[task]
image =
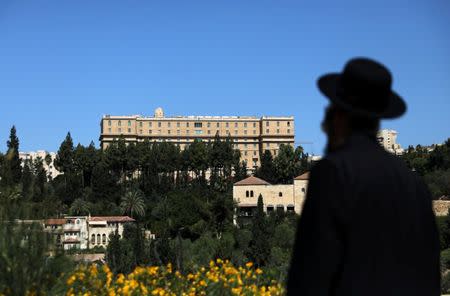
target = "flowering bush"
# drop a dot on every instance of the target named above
(219, 278)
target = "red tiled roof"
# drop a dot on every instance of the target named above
(304, 176)
(112, 218)
(252, 180)
(55, 221)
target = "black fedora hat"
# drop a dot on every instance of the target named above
(363, 89)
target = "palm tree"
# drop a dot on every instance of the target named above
(133, 203)
(79, 207)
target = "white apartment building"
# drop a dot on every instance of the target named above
(285, 197)
(52, 172)
(85, 232)
(388, 139)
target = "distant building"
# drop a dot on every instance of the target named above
(84, 232)
(52, 172)
(276, 197)
(251, 135)
(388, 139)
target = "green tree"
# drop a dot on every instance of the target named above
(40, 180)
(133, 204)
(64, 161)
(13, 156)
(79, 207)
(267, 169)
(27, 180)
(259, 249)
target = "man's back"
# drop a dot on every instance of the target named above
(377, 230)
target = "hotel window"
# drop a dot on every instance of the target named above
(178, 124)
(150, 131)
(109, 122)
(267, 130)
(119, 123)
(129, 123)
(278, 123)
(187, 132)
(120, 130)
(208, 124)
(288, 123)
(98, 239)
(109, 130)
(187, 124)
(254, 124)
(289, 131)
(140, 124)
(168, 124)
(267, 123)
(159, 132)
(245, 124)
(228, 132)
(235, 132)
(245, 146)
(140, 131)
(104, 239)
(235, 124)
(129, 130)
(226, 124)
(168, 132)
(150, 124)
(278, 130)
(217, 125)
(198, 132)
(197, 124)
(245, 132)
(93, 239)
(159, 124)
(178, 132)
(209, 132)
(254, 132)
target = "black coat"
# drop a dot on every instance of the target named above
(367, 227)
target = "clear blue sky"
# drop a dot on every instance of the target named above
(63, 64)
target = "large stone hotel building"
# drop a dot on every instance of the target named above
(251, 135)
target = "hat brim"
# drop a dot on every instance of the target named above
(328, 85)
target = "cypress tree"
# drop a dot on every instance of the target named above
(259, 250)
(13, 163)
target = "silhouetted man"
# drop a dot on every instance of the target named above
(367, 226)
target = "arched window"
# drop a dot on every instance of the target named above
(280, 194)
(104, 239)
(303, 190)
(98, 239)
(93, 239)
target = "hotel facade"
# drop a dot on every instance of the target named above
(251, 135)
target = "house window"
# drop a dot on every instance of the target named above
(104, 239)
(98, 239)
(290, 209)
(247, 193)
(251, 193)
(93, 239)
(280, 194)
(269, 209)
